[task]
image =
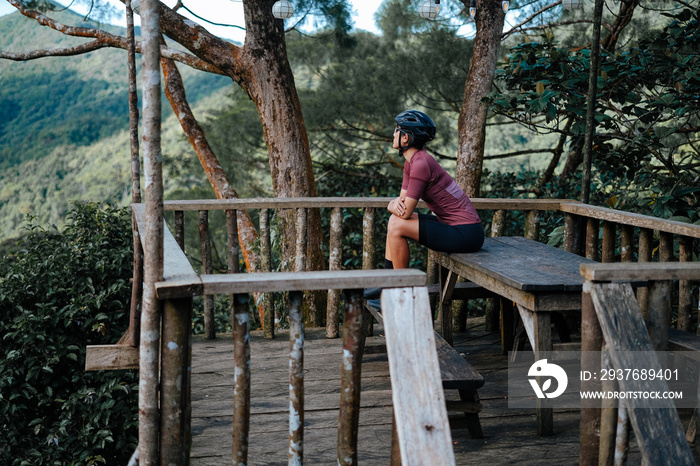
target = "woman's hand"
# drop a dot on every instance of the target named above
(397, 207)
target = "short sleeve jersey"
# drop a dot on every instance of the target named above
(424, 178)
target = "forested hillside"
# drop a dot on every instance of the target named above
(64, 124)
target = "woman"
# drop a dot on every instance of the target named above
(455, 225)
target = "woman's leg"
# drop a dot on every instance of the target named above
(398, 231)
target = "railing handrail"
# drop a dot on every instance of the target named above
(348, 202)
(631, 219)
(645, 271)
(563, 205)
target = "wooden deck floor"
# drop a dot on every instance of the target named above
(510, 435)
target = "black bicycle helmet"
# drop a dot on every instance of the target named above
(418, 126)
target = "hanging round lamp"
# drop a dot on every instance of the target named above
(282, 9)
(572, 4)
(429, 9)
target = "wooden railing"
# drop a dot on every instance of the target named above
(626, 237)
(181, 282)
(613, 322)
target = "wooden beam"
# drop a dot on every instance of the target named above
(641, 272)
(294, 281)
(624, 330)
(350, 202)
(629, 218)
(419, 402)
(111, 357)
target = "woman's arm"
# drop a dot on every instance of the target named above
(403, 206)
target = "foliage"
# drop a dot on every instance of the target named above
(62, 291)
(646, 112)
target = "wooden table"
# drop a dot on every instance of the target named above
(538, 278)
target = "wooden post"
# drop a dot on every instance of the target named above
(433, 276)
(591, 341)
(645, 248)
(350, 378)
(658, 319)
(137, 282)
(334, 263)
(507, 326)
(608, 418)
(149, 347)
(176, 360)
(685, 299)
(180, 229)
(207, 268)
(136, 287)
(666, 247)
(532, 225)
(395, 447)
(369, 246)
(608, 253)
(233, 246)
(296, 378)
(626, 243)
(300, 259)
(623, 435)
(659, 311)
(493, 311)
(592, 227)
(266, 266)
(241, 379)
(572, 234)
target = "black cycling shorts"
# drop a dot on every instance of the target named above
(442, 237)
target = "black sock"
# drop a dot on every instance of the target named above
(388, 264)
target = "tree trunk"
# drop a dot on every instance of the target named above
(262, 70)
(472, 117)
(271, 86)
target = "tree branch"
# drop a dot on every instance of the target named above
(102, 39)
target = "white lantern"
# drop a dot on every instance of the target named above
(428, 9)
(472, 9)
(282, 9)
(505, 4)
(572, 4)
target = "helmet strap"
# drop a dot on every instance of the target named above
(402, 148)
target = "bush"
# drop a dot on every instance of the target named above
(59, 292)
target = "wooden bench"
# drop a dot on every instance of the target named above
(456, 374)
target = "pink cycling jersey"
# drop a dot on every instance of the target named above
(424, 178)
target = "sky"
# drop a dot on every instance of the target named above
(231, 12)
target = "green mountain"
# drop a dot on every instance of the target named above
(64, 123)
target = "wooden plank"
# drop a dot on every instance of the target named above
(629, 218)
(455, 372)
(350, 202)
(525, 264)
(111, 357)
(537, 301)
(678, 340)
(311, 280)
(464, 290)
(419, 402)
(176, 266)
(646, 271)
(625, 333)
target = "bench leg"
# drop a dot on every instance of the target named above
(448, 279)
(539, 330)
(473, 423)
(507, 325)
